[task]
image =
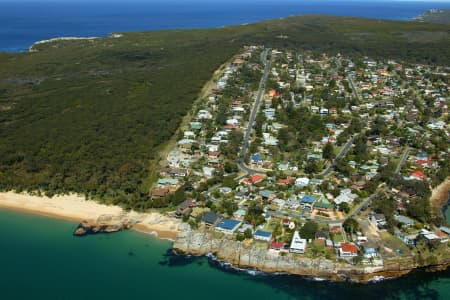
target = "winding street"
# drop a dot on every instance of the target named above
(241, 164)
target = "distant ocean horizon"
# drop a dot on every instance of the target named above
(23, 23)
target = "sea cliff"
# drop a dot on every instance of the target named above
(244, 255)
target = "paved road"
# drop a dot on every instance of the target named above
(403, 159)
(341, 154)
(251, 122)
(366, 201)
(350, 79)
(352, 85)
(382, 187)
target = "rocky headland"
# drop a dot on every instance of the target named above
(244, 255)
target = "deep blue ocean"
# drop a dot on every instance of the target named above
(23, 22)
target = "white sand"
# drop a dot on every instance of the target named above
(76, 208)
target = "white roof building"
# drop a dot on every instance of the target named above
(302, 181)
(298, 245)
(204, 114)
(346, 196)
(189, 134)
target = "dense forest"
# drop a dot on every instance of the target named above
(91, 116)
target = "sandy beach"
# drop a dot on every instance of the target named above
(76, 208)
(439, 196)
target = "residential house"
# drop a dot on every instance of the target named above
(323, 205)
(208, 171)
(293, 202)
(159, 192)
(210, 219)
(245, 227)
(430, 237)
(255, 179)
(256, 159)
(204, 114)
(370, 250)
(267, 195)
(348, 250)
(184, 208)
(280, 203)
(228, 226)
(379, 220)
(262, 235)
(285, 181)
(298, 245)
(346, 196)
(417, 175)
(173, 184)
(302, 182)
(240, 214)
(277, 246)
(404, 220)
(443, 237)
(308, 201)
(409, 239)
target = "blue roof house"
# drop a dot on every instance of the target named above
(228, 226)
(256, 159)
(422, 155)
(262, 235)
(370, 252)
(308, 201)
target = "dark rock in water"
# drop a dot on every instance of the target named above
(80, 230)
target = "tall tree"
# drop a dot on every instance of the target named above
(308, 231)
(328, 151)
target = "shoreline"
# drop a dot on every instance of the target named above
(113, 35)
(56, 39)
(244, 256)
(75, 208)
(352, 276)
(117, 33)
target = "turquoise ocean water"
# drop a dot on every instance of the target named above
(40, 259)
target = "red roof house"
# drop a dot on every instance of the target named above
(348, 250)
(274, 93)
(286, 181)
(277, 245)
(254, 179)
(417, 174)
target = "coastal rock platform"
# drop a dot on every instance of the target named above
(244, 255)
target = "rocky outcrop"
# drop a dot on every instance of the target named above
(104, 224)
(243, 255)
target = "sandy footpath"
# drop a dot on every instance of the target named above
(76, 208)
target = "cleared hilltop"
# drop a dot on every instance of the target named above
(91, 116)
